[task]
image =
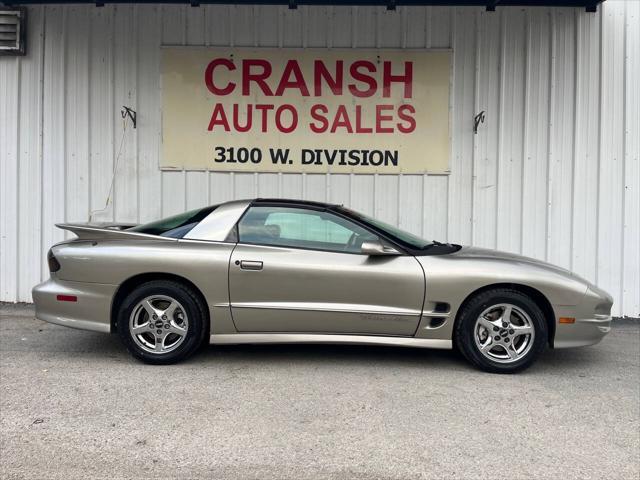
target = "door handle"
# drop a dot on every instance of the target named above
(250, 265)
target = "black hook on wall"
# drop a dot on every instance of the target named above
(477, 120)
(128, 112)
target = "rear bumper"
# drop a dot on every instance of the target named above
(91, 311)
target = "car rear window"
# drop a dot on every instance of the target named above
(176, 226)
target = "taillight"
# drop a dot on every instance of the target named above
(54, 265)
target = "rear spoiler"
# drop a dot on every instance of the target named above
(108, 231)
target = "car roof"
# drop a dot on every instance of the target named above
(290, 201)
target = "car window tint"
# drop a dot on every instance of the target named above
(301, 228)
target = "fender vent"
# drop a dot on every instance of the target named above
(442, 307)
(12, 31)
(436, 322)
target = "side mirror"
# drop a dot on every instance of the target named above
(377, 248)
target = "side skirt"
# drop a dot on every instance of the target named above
(238, 338)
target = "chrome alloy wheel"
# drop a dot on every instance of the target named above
(504, 333)
(158, 324)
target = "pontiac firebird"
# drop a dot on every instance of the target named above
(290, 271)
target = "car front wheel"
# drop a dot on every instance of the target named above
(501, 331)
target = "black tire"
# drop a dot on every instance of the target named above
(195, 311)
(465, 330)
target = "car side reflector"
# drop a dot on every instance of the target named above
(67, 298)
(567, 320)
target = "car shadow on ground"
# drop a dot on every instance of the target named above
(359, 355)
(325, 353)
(110, 347)
(56, 339)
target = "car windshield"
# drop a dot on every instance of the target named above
(176, 226)
(405, 237)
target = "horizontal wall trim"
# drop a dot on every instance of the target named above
(491, 5)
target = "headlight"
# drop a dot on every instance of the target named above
(600, 299)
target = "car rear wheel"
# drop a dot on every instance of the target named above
(501, 331)
(162, 322)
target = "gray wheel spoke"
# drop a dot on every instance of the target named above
(159, 346)
(140, 329)
(488, 344)
(510, 351)
(150, 309)
(177, 329)
(486, 323)
(525, 330)
(171, 310)
(506, 314)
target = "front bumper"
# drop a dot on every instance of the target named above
(592, 320)
(586, 331)
(91, 311)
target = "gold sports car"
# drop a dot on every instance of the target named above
(291, 271)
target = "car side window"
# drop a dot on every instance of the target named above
(301, 228)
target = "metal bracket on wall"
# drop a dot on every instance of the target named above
(128, 112)
(477, 120)
(592, 8)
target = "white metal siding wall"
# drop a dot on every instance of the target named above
(553, 173)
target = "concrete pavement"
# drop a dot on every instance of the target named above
(74, 404)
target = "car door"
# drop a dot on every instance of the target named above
(299, 269)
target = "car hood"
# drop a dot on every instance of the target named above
(488, 254)
(476, 267)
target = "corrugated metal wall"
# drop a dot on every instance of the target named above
(553, 173)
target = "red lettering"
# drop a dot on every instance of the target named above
(294, 118)
(292, 68)
(406, 79)
(264, 109)
(411, 122)
(341, 120)
(258, 78)
(354, 70)
(320, 73)
(383, 118)
(208, 76)
(236, 120)
(359, 127)
(317, 113)
(218, 117)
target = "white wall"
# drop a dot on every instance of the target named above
(553, 173)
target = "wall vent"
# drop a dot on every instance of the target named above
(12, 31)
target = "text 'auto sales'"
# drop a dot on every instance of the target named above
(359, 79)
